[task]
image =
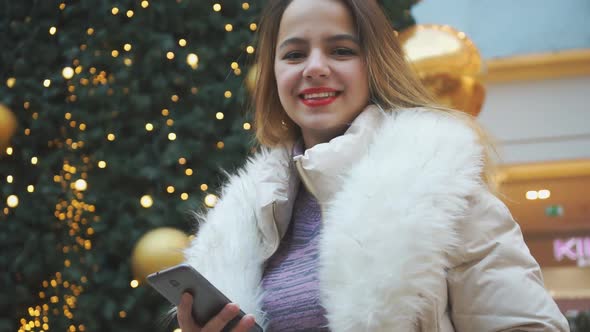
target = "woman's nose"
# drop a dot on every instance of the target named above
(317, 66)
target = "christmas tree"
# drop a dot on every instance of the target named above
(126, 114)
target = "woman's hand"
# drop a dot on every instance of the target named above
(231, 310)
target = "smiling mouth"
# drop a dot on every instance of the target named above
(319, 99)
(319, 96)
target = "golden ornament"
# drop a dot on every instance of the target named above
(448, 63)
(463, 93)
(158, 249)
(7, 126)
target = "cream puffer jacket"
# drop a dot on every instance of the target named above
(412, 240)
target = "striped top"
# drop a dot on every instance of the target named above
(290, 280)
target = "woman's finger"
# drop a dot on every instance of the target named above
(218, 322)
(245, 324)
(184, 314)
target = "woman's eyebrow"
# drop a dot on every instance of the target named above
(342, 37)
(331, 39)
(291, 41)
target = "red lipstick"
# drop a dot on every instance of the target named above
(316, 101)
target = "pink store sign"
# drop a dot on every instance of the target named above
(574, 248)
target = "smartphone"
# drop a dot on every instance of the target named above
(207, 299)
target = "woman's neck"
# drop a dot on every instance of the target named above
(313, 138)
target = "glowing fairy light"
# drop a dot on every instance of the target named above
(67, 73)
(12, 201)
(10, 82)
(193, 60)
(146, 201)
(211, 200)
(80, 185)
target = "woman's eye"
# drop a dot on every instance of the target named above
(293, 56)
(344, 51)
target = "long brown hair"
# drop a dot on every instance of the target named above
(392, 82)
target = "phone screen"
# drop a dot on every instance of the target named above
(207, 299)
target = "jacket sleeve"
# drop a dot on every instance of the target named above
(226, 248)
(496, 285)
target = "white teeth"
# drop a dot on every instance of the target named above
(319, 95)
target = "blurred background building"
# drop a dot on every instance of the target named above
(536, 75)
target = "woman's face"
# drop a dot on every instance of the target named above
(319, 67)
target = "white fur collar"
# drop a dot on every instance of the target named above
(325, 164)
(388, 231)
(388, 228)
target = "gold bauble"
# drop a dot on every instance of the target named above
(158, 249)
(7, 126)
(440, 48)
(448, 63)
(462, 93)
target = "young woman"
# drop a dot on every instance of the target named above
(368, 207)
